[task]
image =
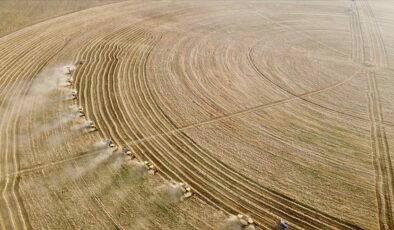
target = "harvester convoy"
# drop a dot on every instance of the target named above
(127, 154)
(245, 221)
(246, 111)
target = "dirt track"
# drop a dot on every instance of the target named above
(274, 110)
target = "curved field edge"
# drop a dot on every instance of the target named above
(19, 14)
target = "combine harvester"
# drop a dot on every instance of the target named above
(110, 144)
(282, 225)
(246, 222)
(128, 154)
(74, 94)
(186, 190)
(80, 111)
(150, 167)
(70, 70)
(69, 81)
(91, 126)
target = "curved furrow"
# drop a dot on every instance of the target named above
(97, 199)
(12, 49)
(26, 55)
(123, 102)
(202, 168)
(304, 95)
(159, 150)
(143, 149)
(117, 90)
(148, 91)
(11, 129)
(181, 166)
(19, 64)
(138, 86)
(192, 81)
(104, 73)
(110, 91)
(31, 44)
(234, 184)
(122, 43)
(36, 57)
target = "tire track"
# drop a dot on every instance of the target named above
(377, 56)
(374, 41)
(382, 158)
(356, 35)
(303, 96)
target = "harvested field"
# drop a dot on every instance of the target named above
(183, 114)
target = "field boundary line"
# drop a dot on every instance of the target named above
(58, 16)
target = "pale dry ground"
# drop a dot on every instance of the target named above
(15, 15)
(272, 109)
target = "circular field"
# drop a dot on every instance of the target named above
(274, 110)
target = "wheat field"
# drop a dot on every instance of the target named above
(269, 109)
